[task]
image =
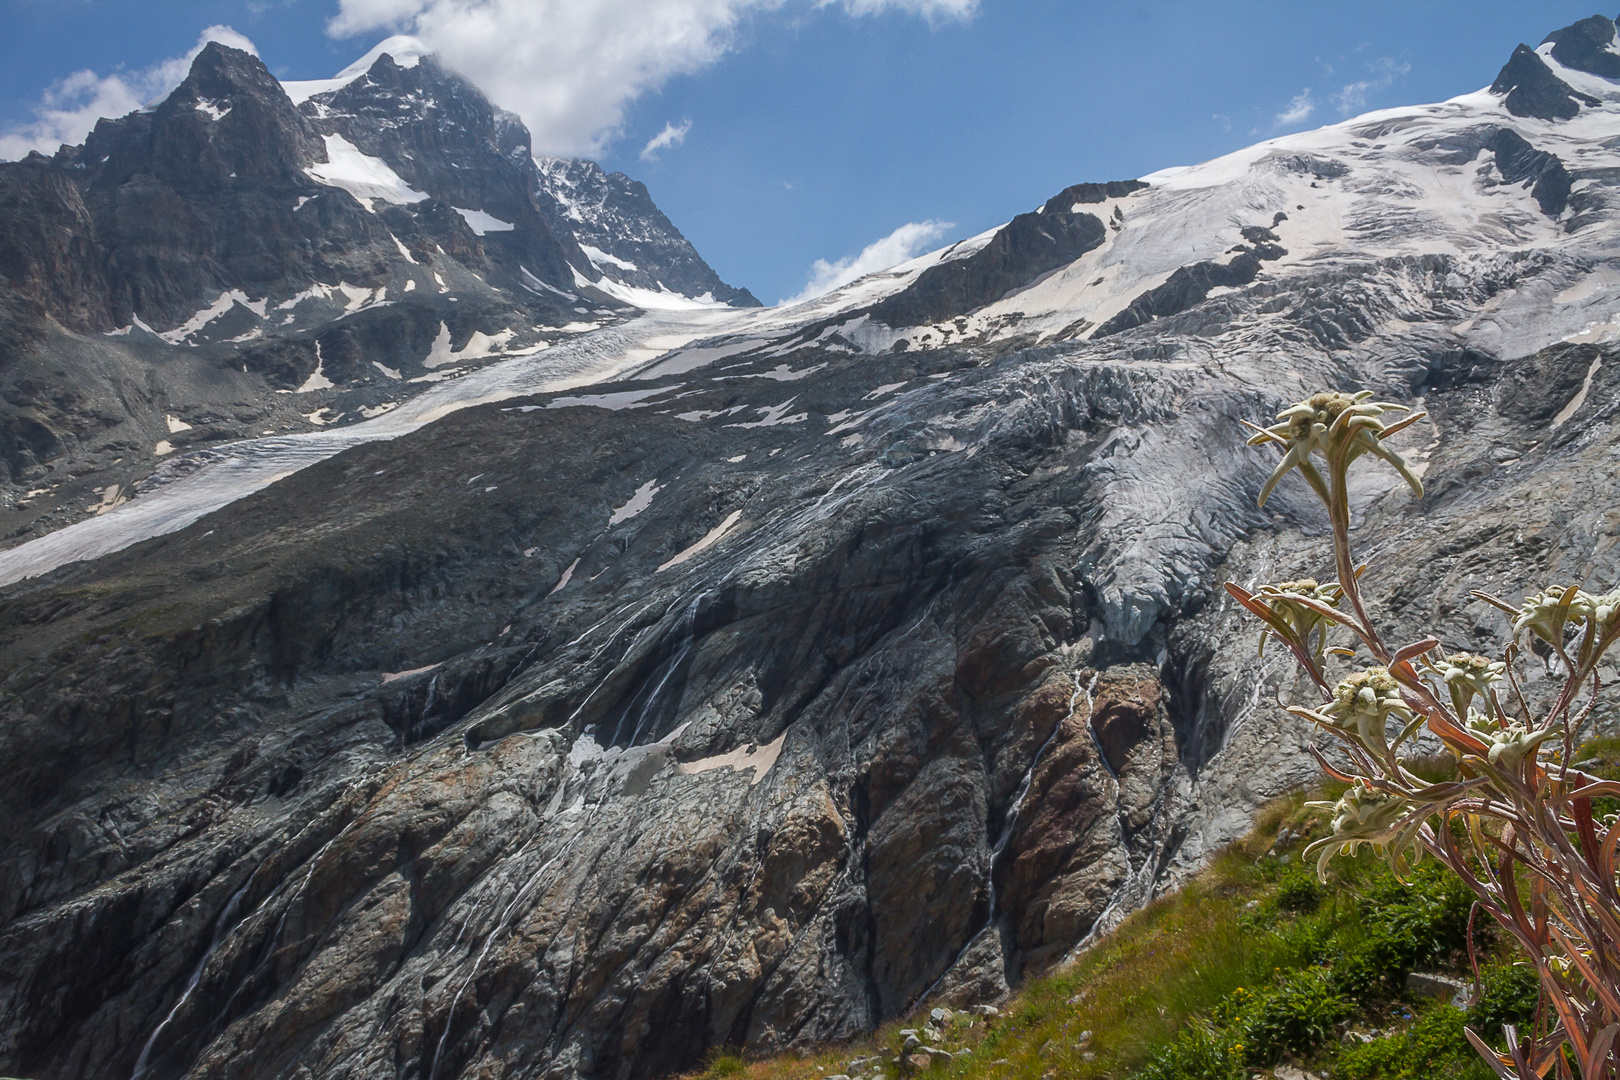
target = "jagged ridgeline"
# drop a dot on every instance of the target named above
(248, 258)
(449, 632)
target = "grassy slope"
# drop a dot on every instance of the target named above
(1251, 966)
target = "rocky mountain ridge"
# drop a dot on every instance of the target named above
(744, 677)
(233, 259)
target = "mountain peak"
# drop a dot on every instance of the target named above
(1532, 90)
(1588, 45)
(404, 50)
(220, 69)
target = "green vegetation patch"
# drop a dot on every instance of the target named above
(1254, 964)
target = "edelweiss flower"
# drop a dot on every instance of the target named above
(1301, 619)
(1606, 609)
(1364, 815)
(1341, 427)
(1363, 702)
(1509, 744)
(1539, 613)
(1468, 674)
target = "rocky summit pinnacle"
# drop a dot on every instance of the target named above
(445, 631)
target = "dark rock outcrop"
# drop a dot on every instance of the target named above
(1520, 163)
(1025, 248)
(1533, 90)
(441, 135)
(1587, 45)
(1191, 285)
(182, 276)
(1090, 193)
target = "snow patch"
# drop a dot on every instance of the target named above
(481, 344)
(599, 257)
(642, 499)
(317, 379)
(362, 176)
(567, 575)
(323, 291)
(623, 399)
(710, 538)
(111, 496)
(439, 352)
(358, 295)
(647, 299)
(406, 51)
(535, 285)
(390, 676)
(688, 359)
(176, 424)
(482, 223)
(782, 373)
(226, 301)
(758, 758)
(1579, 399)
(771, 416)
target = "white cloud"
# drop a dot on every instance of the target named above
(1299, 109)
(906, 242)
(571, 68)
(568, 67)
(1353, 97)
(672, 135)
(932, 10)
(70, 107)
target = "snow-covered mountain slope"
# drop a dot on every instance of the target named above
(1464, 179)
(721, 677)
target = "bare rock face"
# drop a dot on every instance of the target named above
(746, 678)
(634, 243)
(47, 240)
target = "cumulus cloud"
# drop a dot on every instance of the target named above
(672, 135)
(906, 242)
(1353, 97)
(70, 107)
(1298, 110)
(570, 68)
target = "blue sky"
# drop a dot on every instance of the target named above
(813, 130)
